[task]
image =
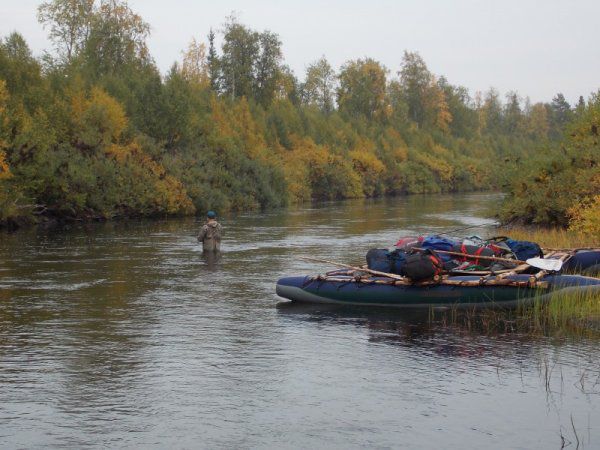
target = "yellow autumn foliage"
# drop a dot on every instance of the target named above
(364, 145)
(297, 166)
(111, 111)
(393, 144)
(118, 152)
(438, 166)
(98, 117)
(585, 217)
(296, 175)
(441, 152)
(3, 96)
(9, 197)
(246, 130)
(369, 170)
(194, 67)
(172, 196)
(3, 114)
(168, 194)
(309, 167)
(4, 168)
(219, 118)
(235, 126)
(436, 107)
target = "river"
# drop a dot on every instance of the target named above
(123, 335)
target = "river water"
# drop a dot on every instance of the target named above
(124, 335)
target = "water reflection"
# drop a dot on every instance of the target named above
(211, 259)
(445, 333)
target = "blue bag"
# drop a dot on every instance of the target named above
(434, 242)
(524, 250)
(378, 259)
(383, 260)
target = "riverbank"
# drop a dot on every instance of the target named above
(562, 315)
(46, 218)
(88, 136)
(551, 238)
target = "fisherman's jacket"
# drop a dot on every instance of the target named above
(210, 236)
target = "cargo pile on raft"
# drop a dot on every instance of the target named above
(435, 270)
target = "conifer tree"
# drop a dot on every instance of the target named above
(212, 61)
(561, 114)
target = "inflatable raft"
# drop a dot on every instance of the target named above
(458, 291)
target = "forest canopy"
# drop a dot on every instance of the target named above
(92, 129)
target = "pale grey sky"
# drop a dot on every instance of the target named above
(538, 48)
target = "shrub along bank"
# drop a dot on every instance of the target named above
(92, 130)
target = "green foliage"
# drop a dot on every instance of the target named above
(560, 114)
(415, 80)
(251, 63)
(241, 50)
(95, 131)
(563, 183)
(362, 89)
(22, 73)
(104, 36)
(425, 97)
(212, 62)
(69, 23)
(318, 88)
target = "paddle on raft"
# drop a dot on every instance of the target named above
(358, 269)
(538, 263)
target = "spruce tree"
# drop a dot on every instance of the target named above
(213, 62)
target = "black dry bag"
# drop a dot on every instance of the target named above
(422, 266)
(379, 259)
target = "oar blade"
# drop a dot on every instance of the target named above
(550, 265)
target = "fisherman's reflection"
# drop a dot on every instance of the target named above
(212, 259)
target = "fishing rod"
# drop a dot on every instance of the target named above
(447, 233)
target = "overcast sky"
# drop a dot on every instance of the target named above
(537, 48)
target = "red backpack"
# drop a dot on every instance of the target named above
(408, 242)
(474, 250)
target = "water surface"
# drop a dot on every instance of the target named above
(125, 335)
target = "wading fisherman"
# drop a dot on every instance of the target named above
(210, 233)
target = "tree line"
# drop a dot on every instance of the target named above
(93, 130)
(560, 184)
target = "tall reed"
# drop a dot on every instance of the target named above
(566, 314)
(551, 237)
(564, 311)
